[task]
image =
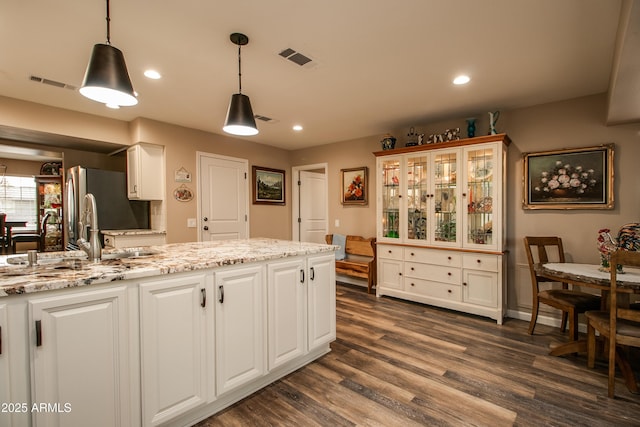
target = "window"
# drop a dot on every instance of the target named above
(18, 200)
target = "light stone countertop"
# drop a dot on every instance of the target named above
(132, 232)
(166, 259)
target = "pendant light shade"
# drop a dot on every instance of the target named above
(106, 79)
(240, 120)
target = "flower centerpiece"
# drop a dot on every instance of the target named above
(566, 180)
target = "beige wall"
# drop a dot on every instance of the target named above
(573, 123)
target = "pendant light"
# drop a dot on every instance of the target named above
(240, 120)
(106, 79)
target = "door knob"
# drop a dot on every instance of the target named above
(205, 228)
(205, 219)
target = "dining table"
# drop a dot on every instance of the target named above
(592, 276)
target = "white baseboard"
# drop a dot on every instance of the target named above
(351, 280)
(542, 319)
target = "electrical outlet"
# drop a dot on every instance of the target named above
(337, 223)
(191, 222)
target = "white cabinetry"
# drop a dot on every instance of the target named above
(145, 172)
(80, 358)
(287, 308)
(176, 333)
(440, 224)
(240, 326)
(301, 307)
(5, 389)
(321, 300)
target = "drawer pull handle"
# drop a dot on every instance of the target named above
(301, 276)
(313, 274)
(221, 294)
(38, 333)
(203, 297)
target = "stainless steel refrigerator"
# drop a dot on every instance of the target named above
(115, 210)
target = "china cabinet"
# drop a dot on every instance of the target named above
(49, 190)
(440, 224)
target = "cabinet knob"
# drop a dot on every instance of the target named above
(464, 194)
(449, 274)
(478, 261)
(449, 258)
(412, 269)
(412, 254)
(412, 284)
(448, 290)
(390, 252)
(399, 274)
(464, 283)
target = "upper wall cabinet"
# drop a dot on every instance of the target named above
(145, 172)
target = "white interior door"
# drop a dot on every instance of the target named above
(312, 208)
(224, 201)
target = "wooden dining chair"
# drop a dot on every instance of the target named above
(620, 325)
(4, 244)
(572, 302)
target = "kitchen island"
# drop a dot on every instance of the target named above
(160, 335)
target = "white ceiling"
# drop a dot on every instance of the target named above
(377, 65)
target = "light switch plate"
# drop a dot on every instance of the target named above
(191, 222)
(337, 223)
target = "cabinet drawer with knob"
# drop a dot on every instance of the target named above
(433, 256)
(389, 252)
(433, 289)
(480, 262)
(433, 272)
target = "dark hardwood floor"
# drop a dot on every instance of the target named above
(396, 363)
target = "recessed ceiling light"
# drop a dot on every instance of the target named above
(297, 128)
(461, 80)
(153, 74)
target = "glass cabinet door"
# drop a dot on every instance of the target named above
(390, 198)
(481, 191)
(445, 196)
(417, 197)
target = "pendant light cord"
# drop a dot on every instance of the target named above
(108, 25)
(239, 71)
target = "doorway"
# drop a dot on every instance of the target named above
(223, 186)
(310, 211)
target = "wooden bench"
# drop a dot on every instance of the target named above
(360, 260)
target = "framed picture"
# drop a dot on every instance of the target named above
(268, 186)
(354, 186)
(580, 178)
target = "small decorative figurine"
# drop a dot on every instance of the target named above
(471, 127)
(388, 142)
(493, 119)
(606, 246)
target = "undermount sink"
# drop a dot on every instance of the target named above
(129, 254)
(47, 260)
(74, 260)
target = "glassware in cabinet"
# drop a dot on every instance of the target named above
(480, 195)
(445, 196)
(417, 197)
(390, 198)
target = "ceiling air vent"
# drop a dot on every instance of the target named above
(295, 57)
(264, 118)
(52, 83)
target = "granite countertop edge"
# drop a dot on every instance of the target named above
(165, 259)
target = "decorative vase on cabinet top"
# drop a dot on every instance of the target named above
(388, 142)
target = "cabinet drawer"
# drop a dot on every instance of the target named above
(389, 252)
(480, 262)
(439, 273)
(432, 256)
(433, 289)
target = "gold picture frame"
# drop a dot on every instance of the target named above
(354, 186)
(578, 178)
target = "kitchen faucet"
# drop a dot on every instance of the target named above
(89, 220)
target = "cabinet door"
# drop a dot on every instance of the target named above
(5, 392)
(133, 172)
(287, 296)
(480, 287)
(389, 198)
(483, 208)
(176, 319)
(418, 197)
(322, 300)
(240, 327)
(389, 274)
(80, 358)
(444, 204)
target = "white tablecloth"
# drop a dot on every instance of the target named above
(591, 270)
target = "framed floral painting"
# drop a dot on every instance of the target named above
(354, 186)
(580, 178)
